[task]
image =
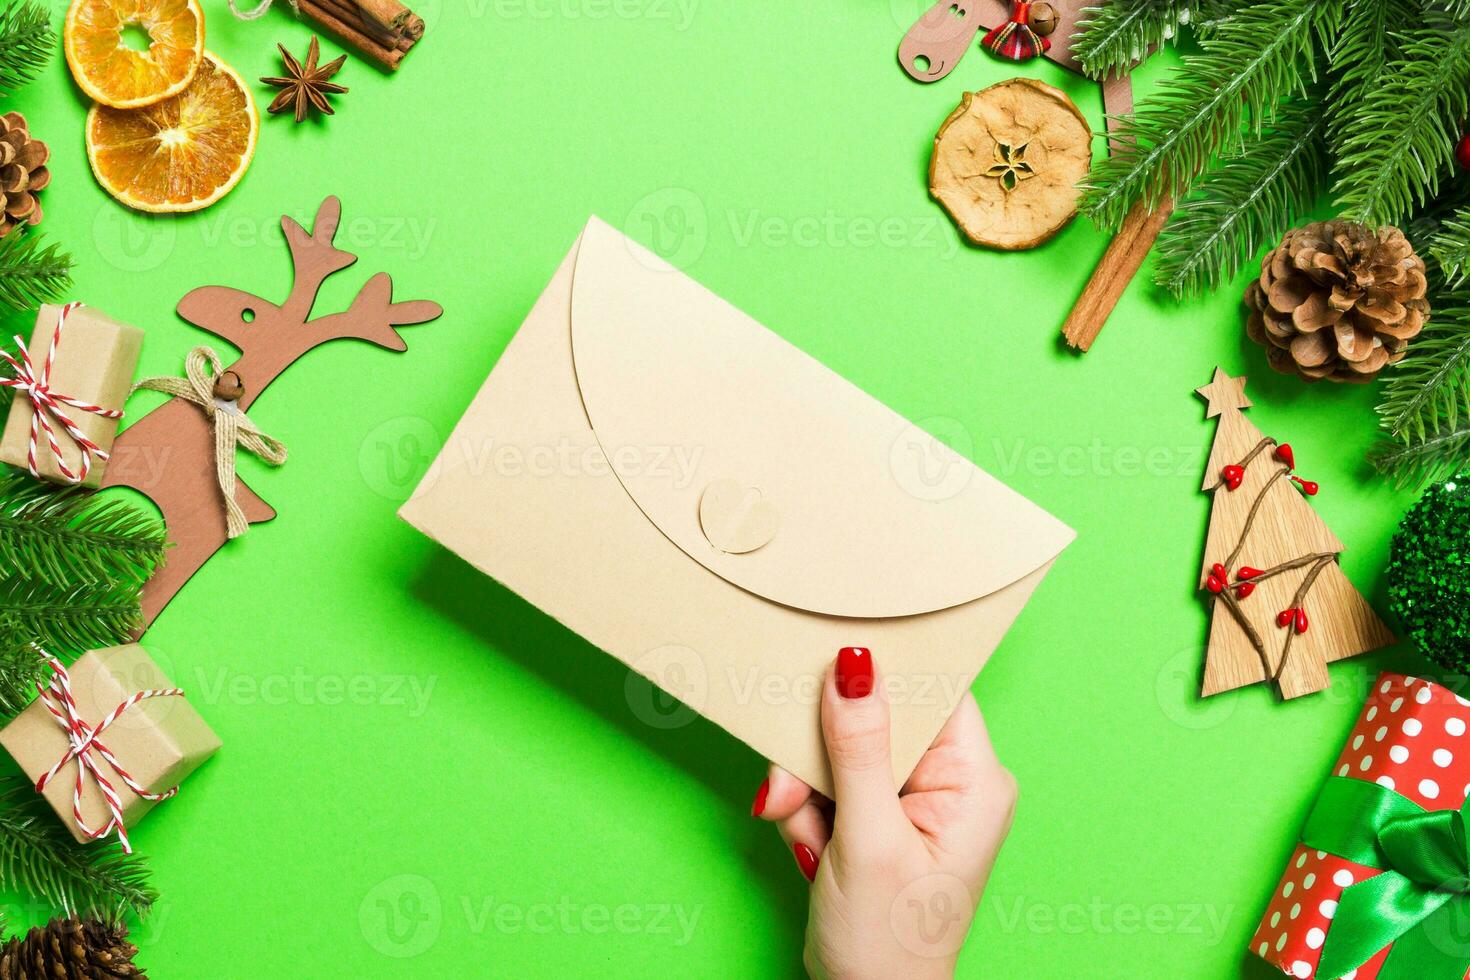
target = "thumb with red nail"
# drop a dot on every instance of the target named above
(881, 858)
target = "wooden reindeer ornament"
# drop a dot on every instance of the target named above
(170, 455)
(1282, 607)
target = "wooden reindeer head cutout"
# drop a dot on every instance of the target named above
(168, 455)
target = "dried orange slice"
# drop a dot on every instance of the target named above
(181, 154)
(117, 74)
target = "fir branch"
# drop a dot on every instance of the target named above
(1449, 248)
(21, 669)
(39, 857)
(1244, 203)
(1455, 9)
(1252, 63)
(1206, 16)
(1426, 401)
(1400, 140)
(1115, 36)
(1369, 40)
(26, 42)
(65, 537)
(64, 620)
(31, 274)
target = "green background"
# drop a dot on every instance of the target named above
(423, 776)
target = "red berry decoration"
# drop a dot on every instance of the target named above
(1462, 152)
(1232, 475)
(1218, 579)
(1284, 453)
(1247, 572)
(1308, 487)
(1301, 621)
(1244, 589)
(1285, 617)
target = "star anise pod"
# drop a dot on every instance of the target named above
(305, 87)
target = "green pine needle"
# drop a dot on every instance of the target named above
(1249, 65)
(66, 537)
(1449, 248)
(30, 273)
(67, 619)
(1399, 141)
(1370, 38)
(1426, 400)
(21, 669)
(26, 42)
(1244, 203)
(39, 857)
(1120, 33)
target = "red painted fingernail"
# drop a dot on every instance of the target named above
(854, 673)
(759, 806)
(805, 860)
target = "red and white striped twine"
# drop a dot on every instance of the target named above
(85, 741)
(47, 405)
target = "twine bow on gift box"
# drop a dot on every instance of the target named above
(85, 742)
(1420, 902)
(47, 405)
(232, 427)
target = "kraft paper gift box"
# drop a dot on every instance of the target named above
(1386, 817)
(722, 513)
(95, 363)
(159, 741)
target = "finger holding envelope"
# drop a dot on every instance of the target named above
(802, 815)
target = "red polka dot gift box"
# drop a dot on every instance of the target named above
(1379, 887)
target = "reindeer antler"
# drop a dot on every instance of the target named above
(314, 256)
(271, 337)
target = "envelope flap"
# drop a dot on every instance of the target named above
(770, 470)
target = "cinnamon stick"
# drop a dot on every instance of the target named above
(389, 15)
(351, 31)
(1119, 264)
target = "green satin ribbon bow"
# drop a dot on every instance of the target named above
(1421, 901)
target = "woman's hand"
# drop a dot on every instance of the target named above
(896, 876)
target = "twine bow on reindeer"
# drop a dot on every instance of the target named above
(85, 742)
(47, 405)
(232, 427)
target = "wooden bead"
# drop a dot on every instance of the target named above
(1043, 18)
(229, 387)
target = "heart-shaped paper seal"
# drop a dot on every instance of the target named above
(736, 519)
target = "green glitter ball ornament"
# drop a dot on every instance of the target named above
(1429, 573)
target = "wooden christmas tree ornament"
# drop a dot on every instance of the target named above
(1282, 609)
(170, 455)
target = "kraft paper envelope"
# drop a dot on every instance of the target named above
(694, 495)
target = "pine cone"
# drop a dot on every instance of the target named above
(22, 173)
(1337, 300)
(70, 949)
